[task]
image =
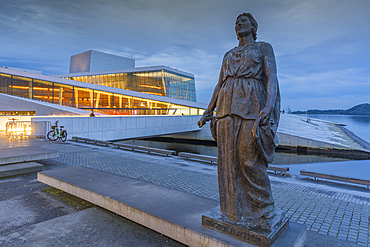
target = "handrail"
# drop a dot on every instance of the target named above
(122, 145)
(198, 156)
(27, 128)
(353, 180)
(275, 169)
(148, 149)
(86, 140)
(282, 170)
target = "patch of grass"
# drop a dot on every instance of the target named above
(69, 199)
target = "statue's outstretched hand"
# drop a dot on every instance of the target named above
(207, 116)
(266, 114)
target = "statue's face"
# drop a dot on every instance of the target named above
(243, 26)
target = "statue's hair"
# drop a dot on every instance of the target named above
(253, 21)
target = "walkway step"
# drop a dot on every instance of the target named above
(25, 154)
(173, 213)
(20, 169)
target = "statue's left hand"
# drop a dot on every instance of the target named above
(207, 116)
(266, 114)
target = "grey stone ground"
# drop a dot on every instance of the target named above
(90, 227)
(337, 211)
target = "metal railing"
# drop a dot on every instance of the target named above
(345, 179)
(27, 128)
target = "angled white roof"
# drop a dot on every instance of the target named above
(15, 103)
(129, 70)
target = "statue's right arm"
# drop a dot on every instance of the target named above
(207, 115)
(212, 104)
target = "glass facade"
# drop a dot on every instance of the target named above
(90, 99)
(161, 82)
(17, 113)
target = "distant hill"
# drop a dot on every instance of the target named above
(362, 109)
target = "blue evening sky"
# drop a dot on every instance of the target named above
(321, 46)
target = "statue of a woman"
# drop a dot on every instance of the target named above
(247, 103)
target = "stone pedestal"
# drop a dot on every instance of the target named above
(247, 231)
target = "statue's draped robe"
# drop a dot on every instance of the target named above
(245, 191)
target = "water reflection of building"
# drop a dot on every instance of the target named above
(124, 91)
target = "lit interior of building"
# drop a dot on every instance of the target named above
(103, 99)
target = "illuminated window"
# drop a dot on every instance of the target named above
(17, 113)
(154, 82)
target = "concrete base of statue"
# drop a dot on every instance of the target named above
(257, 232)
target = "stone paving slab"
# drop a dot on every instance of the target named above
(340, 213)
(173, 213)
(90, 227)
(20, 169)
(331, 212)
(24, 154)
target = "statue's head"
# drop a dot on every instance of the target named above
(253, 25)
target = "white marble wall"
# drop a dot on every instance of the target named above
(203, 134)
(293, 141)
(122, 127)
(284, 139)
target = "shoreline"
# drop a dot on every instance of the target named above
(356, 138)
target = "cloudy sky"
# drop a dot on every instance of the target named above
(321, 46)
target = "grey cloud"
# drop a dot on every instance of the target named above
(313, 40)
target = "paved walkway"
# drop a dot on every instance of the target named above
(338, 211)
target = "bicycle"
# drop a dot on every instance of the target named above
(57, 134)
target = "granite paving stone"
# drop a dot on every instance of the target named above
(327, 210)
(342, 238)
(307, 208)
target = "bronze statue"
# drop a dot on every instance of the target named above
(247, 103)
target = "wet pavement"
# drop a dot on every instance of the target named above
(337, 211)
